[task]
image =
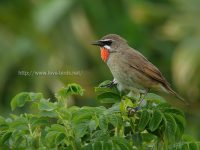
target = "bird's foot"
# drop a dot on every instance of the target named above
(111, 84)
(132, 110)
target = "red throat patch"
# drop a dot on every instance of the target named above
(104, 54)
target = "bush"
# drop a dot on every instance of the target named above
(55, 125)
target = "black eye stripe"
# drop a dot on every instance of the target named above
(106, 42)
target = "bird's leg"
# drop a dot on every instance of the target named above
(109, 85)
(132, 110)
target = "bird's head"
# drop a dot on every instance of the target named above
(109, 44)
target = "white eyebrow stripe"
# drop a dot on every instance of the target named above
(106, 40)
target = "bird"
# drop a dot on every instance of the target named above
(131, 70)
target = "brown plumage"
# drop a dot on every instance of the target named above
(131, 70)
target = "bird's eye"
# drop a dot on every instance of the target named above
(107, 42)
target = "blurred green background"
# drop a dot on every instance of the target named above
(48, 36)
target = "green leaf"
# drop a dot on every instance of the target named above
(147, 137)
(107, 145)
(121, 143)
(105, 83)
(55, 135)
(50, 138)
(154, 97)
(19, 123)
(71, 89)
(20, 99)
(188, 138)
(46, 105)
(185, 146)
(58, 128)
(88, 147)
(125, 104)
(97, 146)
(115, 119)
(193, 146)
(2, 120)
(144, 120)
(59, 138)
(155, 120)
(170, 127)
(51, 114)
(114, 109)
(5, 137)
(108, 97)
(83, 114)
(103, 122)
(174, 111)
(180, 122)
(80, 129)
(42, 121)
(92, 125)
(35, 96)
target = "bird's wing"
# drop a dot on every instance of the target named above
(137, 61)
(140, 63)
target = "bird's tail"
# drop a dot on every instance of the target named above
(172, 92)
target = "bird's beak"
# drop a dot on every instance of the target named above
(97, 43)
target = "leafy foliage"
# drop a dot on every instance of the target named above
(58, 126)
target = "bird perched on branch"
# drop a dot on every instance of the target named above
(130, 69)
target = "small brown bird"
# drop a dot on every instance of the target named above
(131, 70)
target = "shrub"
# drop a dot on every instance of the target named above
(55, 125)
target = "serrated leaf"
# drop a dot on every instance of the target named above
(20, 99)
(174, 111)
(101, 90)
(97, 146)
(35, 96)
(170, 127)
(80, 129)
(180, 121)
(2, 121)
(45, 105)
(103, 122)
(155, 120)
(107, 145)
(185, 146)
(154, 97)
(42, 121)
(92, 125)
(193, 146)
(82, 115)
(88, 147)
(125, 104)
(19, 123)
(50, 138)
(121, 143)
(70, 89)
(58, 128)
(51, 114)
(5, 137)
(188, 138)
(108, 97)
(115, 120)
(144, 120)
(59, 138)
(148, 137)
(114, 109)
